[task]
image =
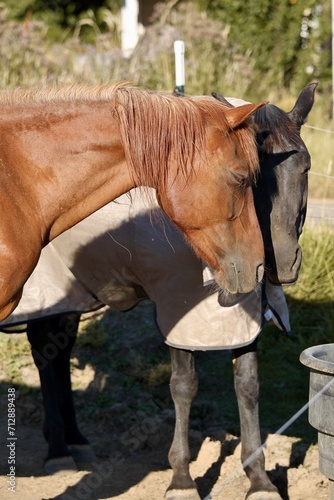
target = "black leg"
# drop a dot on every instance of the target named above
(67, 328)
(51, 342)
(183, 386)
(246, 381)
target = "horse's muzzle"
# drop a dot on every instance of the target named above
(240, 278)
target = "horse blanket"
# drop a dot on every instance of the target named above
(128, 251)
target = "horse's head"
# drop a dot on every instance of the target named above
(280, 193)
(213, 205)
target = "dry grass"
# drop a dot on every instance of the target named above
(319, 138)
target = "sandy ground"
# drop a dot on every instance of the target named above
(145, 474)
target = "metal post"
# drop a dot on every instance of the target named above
(179, 66)
(129, 33)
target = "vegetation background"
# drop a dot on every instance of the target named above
(255, 50)
(258, 50)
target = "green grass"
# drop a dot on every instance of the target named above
(14, 354)
(320, 145)
(284, 380)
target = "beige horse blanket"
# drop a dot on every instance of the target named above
(128, 251)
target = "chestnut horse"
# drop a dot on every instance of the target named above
(281, 188)
(64, 153)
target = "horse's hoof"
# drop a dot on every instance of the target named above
(264, 495)
(60, 465)
(188, 494)
(82, 453)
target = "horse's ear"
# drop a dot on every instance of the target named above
(236, 116)
(222, 99)
(303, 105)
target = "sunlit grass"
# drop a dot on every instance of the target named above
(15, 353)
(284, 381)
(316, 279)
(320, 143)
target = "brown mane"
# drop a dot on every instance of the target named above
(155, 126)
(65, 93)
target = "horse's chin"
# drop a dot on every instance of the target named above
(288, 271)
(281, 280)
(231, 287)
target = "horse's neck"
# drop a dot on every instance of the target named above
(74, 167)
(95, 189)
(56, 168)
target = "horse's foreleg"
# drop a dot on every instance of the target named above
(51, 344)
(44, 351)
(183, 386)
(64, 330)
(67, 328)
(246, 382)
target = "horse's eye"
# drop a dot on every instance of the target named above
(240, 179)
(242, 182)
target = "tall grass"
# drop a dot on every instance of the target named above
(320, 143)
(284, 381)
(316, 280)
(28, 57)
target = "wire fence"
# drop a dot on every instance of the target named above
(320, 211)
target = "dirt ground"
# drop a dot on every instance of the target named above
(132, 447)
(145, 475)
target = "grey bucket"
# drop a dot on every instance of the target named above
(320, 360)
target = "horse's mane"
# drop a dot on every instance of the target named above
(56, 93)
(155, 127)
(272, 118)
(175, 127)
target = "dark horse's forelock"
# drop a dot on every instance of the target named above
(272, 118)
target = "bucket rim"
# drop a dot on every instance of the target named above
(314, 357)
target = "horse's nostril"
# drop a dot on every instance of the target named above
(259, 273)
